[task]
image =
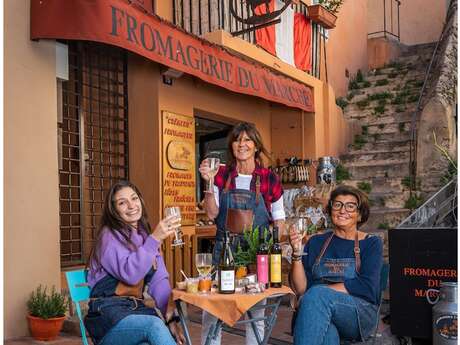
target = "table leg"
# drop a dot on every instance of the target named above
(183, 322)
(214, 329)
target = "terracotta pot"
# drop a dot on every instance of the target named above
(45, 329)
(323, 17)
(252, 269)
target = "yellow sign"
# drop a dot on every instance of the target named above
(179, 185)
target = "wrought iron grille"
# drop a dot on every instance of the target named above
(95, 120)
(202, 16)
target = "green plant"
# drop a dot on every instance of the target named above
(341, 102)
(379, 95)
(331, 5)
(351, 95)
(246, 256)
(384, 226)
(365, 84)
(413, 202)
(381, 82)
(412, 98)
(341, 173)
(365, 186)
(401, 126)
(400, 109)
(380, 109)
(381, 126)
(364, 130)
(353, 85)
(362, 104)
(376, 136)
(378, 71)
(410, 183)
(46, 306)
(359, 76)
(382, 102)
(359, 141)
(452, 168)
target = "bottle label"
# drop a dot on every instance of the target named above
(262, 268)
(227, 280)
(446, 326)
(275, 268)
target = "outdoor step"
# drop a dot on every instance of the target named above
(372, 156)
(381, 184)
(367, 114)
(385, 146)
(418, 49)
(367, 170)
(381, 217)
(388, 199)
(387, 128)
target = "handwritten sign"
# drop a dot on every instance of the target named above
(179, 164)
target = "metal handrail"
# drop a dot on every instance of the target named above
(384, 31)
(413, 125)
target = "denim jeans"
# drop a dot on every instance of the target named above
(139, 330)
(207, 320)
(325, 316)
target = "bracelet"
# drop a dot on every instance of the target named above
(174, 318)
(296, 258)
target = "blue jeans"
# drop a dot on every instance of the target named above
(325, 316)
(139, 330)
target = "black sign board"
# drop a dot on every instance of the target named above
(419, 260)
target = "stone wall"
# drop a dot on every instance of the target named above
(439, 110)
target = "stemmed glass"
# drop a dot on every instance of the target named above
(213, 159)
(300, 225)
(175, 211)
(203, 262)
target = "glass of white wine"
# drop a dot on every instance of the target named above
(175, 211)
(213, 159)
(203, 262)
(300, 225)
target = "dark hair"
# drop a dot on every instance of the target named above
(363, 201)
(253, 134)
(111, 221)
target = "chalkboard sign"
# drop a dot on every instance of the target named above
(419, 260)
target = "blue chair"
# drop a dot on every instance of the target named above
(79, 291)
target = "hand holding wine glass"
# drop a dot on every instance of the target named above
(297, 232)
(175, 211)
(209, 168)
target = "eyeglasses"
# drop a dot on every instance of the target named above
(349, 206)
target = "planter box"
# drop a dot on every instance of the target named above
(323, 17)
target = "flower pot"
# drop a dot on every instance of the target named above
(322, 16)
(252, 269)
(45, 329)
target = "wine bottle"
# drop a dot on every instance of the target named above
(226, 269)
(262, 259)
(275, 261)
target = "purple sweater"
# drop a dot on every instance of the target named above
(131, 266)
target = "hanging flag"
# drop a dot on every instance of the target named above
(289, 40)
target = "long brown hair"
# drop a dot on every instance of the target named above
(112, 221)
(254, 135)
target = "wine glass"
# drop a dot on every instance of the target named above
(175, 211)
(213, 160)
(300, 225)
(203, 262)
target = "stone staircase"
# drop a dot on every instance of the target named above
(382, 103)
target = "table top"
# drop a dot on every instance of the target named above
(228, 307)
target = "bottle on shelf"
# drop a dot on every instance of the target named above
(262, 259)
(275, 261)
(226, 268)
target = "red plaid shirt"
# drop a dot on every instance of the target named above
(270, 184)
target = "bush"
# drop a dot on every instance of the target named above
(379, 110)
(384, 226)
(341, 173)
(246, 256)
(365, 84)
(359, 141)
(400, 109)
(364, 130)
(412, 98)
(365, 187)
(359, 76)
(381, 126)
(380, 95)
(341, 102)
(46, 306)
(401, 126)
(362, 104)
(351, 95)
(381, 82)
(413, 202)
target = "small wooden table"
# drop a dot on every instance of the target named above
(230, 308)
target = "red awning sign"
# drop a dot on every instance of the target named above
(117, 23)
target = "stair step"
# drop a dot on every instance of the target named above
(372, 156)
(367, 170)
(390, 216)
(381, 184)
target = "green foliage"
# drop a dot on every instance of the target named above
(248, 255)
(378, 71)
(401, 126)
(364, 130)
(341, 102)
(379, 96)
(365, 186)
(382, 82)
(359, 141)
(359, 76)
(46, 306)
(418, 83)
(452, 168)
(351, 95)
(381, 126)
(400, 109)
(362, 104)
(365, 84)
(384, 226)
(410, 183)
(382, 102)
(353, 85)
(378, 110)
(376, 136)
(395, 65)
(413, 202)
(412, 98)
(331, 5)
(341, 173)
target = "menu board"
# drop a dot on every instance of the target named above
(179, 164)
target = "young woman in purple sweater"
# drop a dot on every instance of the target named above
(127, 261)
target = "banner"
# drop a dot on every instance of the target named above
(117, 23)
(179, 187)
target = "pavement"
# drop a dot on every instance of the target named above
(235, 336)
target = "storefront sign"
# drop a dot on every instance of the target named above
(117, 23)
(179, 164)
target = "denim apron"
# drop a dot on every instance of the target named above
(330, 271)
(106, 308)
(241, 199)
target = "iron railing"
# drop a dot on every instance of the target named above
(202, 16)
(391, 25)
(439, 211)
(413, 126)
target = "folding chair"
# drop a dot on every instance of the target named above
(79, 291)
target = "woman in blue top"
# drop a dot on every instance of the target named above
(338, 275)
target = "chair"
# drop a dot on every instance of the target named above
(79, 291)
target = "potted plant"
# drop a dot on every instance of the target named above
(324, 13)
(46, 313)
(246, 257)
